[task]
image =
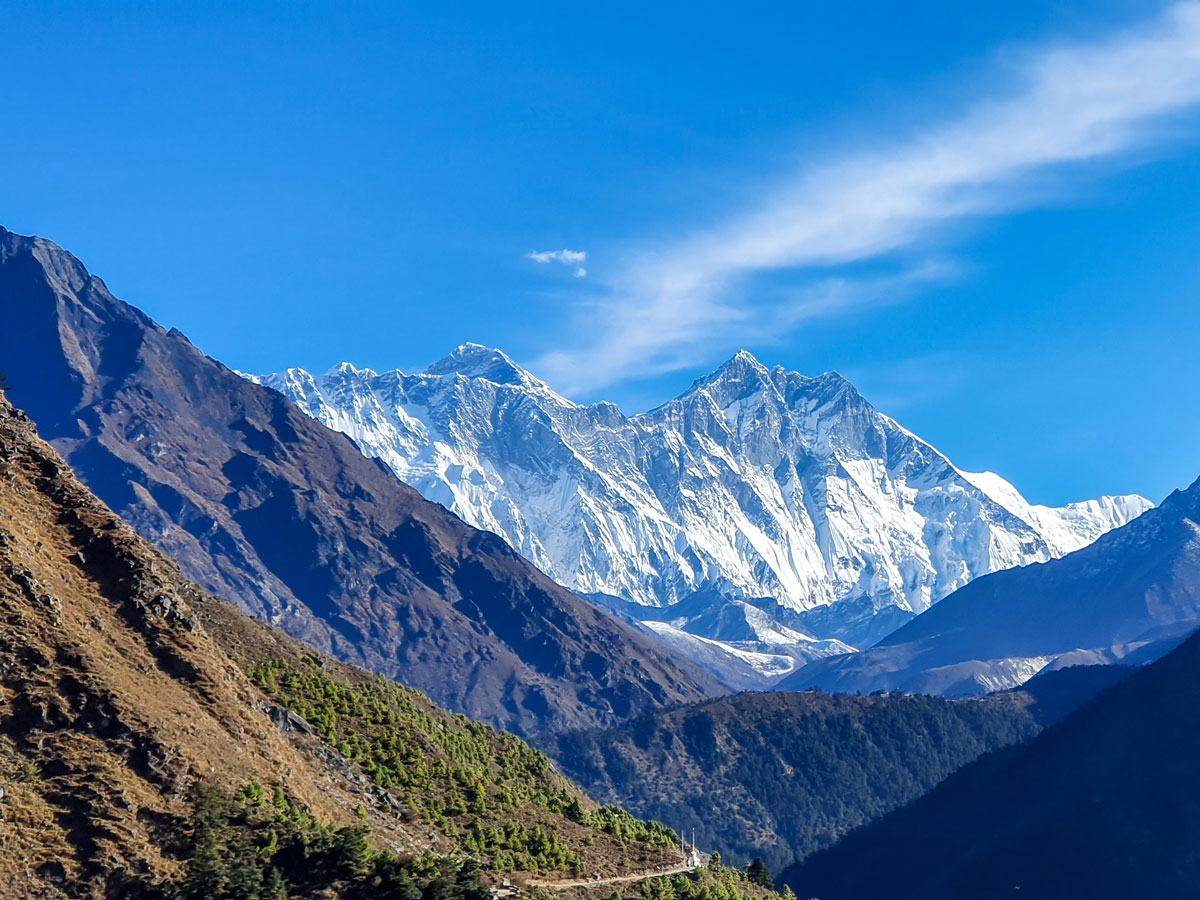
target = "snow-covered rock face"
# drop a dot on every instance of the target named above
(754, 483)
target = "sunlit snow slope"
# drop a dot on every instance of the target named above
(805, 519)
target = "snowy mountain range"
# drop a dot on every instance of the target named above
(759, 520)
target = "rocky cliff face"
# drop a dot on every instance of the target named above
(270, 510)
(804, 519)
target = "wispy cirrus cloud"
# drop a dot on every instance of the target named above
(1066, 106)
(574, 258)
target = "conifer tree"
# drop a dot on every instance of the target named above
(759, 874)
(275, 887)
(205, 877)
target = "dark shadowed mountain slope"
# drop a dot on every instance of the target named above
(780, 775)
(271, 510)
(1130, 596)
(1058, 693)
(1104, 804)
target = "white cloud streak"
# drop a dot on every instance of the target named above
(1069, 105)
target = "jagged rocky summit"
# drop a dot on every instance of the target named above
(759, 520)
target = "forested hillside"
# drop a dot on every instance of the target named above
(779, 775)
(487, 793)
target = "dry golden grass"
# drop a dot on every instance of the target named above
(114, 697)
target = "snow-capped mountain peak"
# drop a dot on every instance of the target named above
(477, 361)
(1064, 528)
(739, 372)
(762, 485)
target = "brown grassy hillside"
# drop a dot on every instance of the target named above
(123, 686)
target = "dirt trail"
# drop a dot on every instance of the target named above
(677, 869)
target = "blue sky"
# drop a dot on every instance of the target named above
(985, 217)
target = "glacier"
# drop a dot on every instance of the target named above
(760, 520)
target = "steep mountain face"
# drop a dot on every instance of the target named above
(157, 743)
(267, 508)
(758, 488)
(779, 775)
(1104, 804)
(1130, 596)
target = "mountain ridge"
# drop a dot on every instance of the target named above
(753, 483)
(269, 509)
(1129, 596)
